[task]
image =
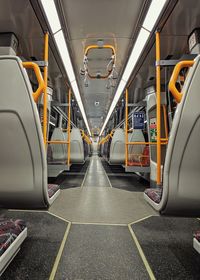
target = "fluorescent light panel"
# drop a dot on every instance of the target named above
(150, 20)
(135, 54)
(153, 14)
(64, 53)
(51, 14)
(54, 22)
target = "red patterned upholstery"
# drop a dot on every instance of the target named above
(52, 189)
(9, 231)
(154, 194)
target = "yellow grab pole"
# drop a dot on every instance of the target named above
(68, 127)
(126, 128)
(46, 55)
(158, 105)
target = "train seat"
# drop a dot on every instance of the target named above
(53, 191)
(23, 165)
(136, 153)
(180, 192)
(59, 151)
(76, 147)
(117, 147)
(12, 234)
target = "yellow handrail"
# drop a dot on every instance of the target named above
(172, 83)
(68, 128)
(36, 69)
(45, 97)
(85, 137)
(92, 47)
(126, 127)
(158, 110)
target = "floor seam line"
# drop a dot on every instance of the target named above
(141, 253)
(106, 174)
(60, 252)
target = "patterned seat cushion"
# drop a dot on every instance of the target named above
(52, 189)
(9, 231)
(197, 235)
(154, 194)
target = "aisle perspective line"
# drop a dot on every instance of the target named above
(59, 255)
(86, 173)
(141, 253)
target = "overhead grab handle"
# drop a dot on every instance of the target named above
(172, 83)
(41, 84)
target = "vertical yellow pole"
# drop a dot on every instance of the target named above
(68, 127)
(126, 128)
(46, 55)
(158, 105)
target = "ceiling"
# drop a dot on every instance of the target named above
(87, 22)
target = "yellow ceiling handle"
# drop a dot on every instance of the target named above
(172, 83)
(41, 84)
(91, 47)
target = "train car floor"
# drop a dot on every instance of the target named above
(98, 231)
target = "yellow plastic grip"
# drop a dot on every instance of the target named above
(172, 83)
(41, 84)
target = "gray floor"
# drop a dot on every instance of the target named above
(100, 252)
(97, 202)
(39, 250)
(167, 245)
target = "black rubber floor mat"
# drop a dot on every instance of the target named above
(167, 245)
(38, 252)
(112, 168)
(128, 183)
(72, 178)
(100, 252)
(71, 181)
(79, 167)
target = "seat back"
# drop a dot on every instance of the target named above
(117, 147)
(181, 190)
(76, 147)
(59, 151)
(23, 167)
(135, 150)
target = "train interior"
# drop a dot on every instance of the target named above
(99, 139)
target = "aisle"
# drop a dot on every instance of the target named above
(96, 201)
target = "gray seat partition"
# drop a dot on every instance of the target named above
(23, 166)
(136, 136)
(151, 118)
(59, 151)
(181, 181)
(117, 147)
(76, 149)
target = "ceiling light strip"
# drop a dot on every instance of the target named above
(54, 23)
(148, 25)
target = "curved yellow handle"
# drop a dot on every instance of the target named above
(36, 69)
(172, 83)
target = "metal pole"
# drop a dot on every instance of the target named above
(126, 128)
(45, 118)
(68, 127)
(158, 106)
